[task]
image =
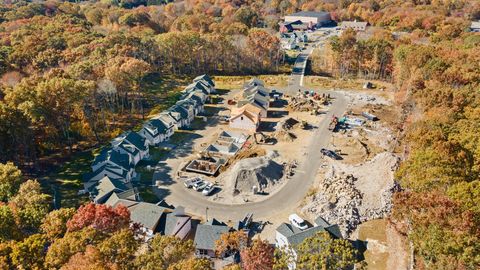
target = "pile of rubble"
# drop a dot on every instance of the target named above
(283, 130)
(303, 104)
(352, 194)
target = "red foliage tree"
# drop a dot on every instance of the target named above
(258, 257)
(100, 217)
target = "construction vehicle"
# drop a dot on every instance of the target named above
(333, 123)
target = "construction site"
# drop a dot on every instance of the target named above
(249, 166)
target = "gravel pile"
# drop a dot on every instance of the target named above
(261, 172)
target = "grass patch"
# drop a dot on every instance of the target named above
(179, 137)
(146, 175)
(65, 182)
(162, 91)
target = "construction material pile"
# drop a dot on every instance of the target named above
(283, 130)
(301, 103)
(352, 194)
(258, 173)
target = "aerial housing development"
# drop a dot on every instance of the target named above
(273, 135)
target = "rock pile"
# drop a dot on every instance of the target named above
(350, 195)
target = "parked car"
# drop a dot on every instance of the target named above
(198, 186)
(208, 189)
(189, 183)
(298, 222)
(330, 154)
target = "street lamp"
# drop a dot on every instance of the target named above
(206, 213)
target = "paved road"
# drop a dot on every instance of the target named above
(292, 192)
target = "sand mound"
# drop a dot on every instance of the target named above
(261, 172)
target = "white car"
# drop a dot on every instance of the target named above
(208, 189)
(192, 181)
(198, 186)
(298, 222)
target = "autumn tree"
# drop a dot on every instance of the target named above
(101, 217)
(230, 243)
(10, 180)
(29, 253)
(54, 225)
(119, 249)
(192, 264)
(321, 251)
(8, 227)
(258, 257)
(164, 251)
(71, 243)
(30, 205)
(91, 259)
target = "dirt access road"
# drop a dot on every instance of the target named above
(285, 200)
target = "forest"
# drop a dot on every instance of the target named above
(73, 74)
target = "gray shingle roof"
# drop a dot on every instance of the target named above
(208, 233)
(113, 169)
(205, 78)
(137, 140)
(106, 186)
(108, 154)
(114, 200)
(147, 214)
(296, 236)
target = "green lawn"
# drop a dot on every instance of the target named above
(146, 176)
(66, 181)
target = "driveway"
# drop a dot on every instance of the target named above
(286, 199)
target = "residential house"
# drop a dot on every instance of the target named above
(289, 236)
(112, 157)
(206, 80)
(178, 224)
(112, 171)
(150, 216)
(166, 118)
(180, 115)
(126, 199)
(258, 101)
(246, 117)
(199, 98)
(357, 26)
(254, 82)
(156, 131)
(257, 89)
(132, 144)
(198, 85)
(206, 235)
(189, 106)
(101, 191)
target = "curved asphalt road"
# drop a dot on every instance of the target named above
(293, 191)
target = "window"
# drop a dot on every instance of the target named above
(241, 118)
(203, 252)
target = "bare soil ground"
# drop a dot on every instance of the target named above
(286, 152)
